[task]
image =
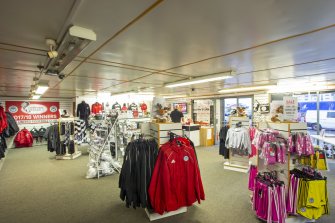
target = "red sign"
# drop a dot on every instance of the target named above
(31, 112)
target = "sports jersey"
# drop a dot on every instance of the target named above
(133, 107)
(116, 106)
(96, 108)
(144, 107)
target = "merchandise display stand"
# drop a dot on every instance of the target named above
(76, 153)
(155, 216)
(237, 163)
(161, 131)
(126, 130)
(283, 170)
(100, 157)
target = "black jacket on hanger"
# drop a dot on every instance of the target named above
(12, 127)
(223, 135)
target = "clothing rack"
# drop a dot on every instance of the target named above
(76, 153)
(237, 163)
(285, 129)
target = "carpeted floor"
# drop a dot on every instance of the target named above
(34, 187)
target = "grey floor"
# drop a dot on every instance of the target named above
(34, 187)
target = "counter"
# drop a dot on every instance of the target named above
(192, 131)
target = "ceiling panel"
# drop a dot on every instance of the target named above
(107, 72)
(106, 18)
(28, 23)
(10, 59)
(298, 53)
(179, 32)
(89, 84)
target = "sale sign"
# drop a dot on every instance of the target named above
(290, 108)
(31, 112)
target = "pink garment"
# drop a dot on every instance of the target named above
(252, 177)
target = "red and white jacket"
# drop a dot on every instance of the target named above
(3, 120)
(23, 139)
(176, 180)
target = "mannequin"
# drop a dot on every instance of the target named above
(83, 111)
(116, 106)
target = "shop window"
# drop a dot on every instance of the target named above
(229, 104)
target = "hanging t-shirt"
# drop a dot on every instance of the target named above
(133, 107)
(124, 107)
(116, 106)
(144, 107)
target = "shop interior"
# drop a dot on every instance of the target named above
(167, 111)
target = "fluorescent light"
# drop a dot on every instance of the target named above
(243, 89)
(199, 80)
(41, 89)
(175, 96)
(305, 87)
(36, 96)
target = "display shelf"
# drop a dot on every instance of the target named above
(161, 131)
(69, 156)
(155, 216)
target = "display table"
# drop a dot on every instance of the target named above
(192, 131)
(160, 131)
(329, 140)
(206, 136)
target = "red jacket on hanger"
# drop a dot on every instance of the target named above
(23, 139)
(96, 108)
(3, 120)
(176, 180)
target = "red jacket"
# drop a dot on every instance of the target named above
(3, 120)
(23, 139)
(176, 180)
(96, 108)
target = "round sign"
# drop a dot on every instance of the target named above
(53, 109)
(13, 109)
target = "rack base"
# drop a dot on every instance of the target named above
(154, 216)
(69, 156)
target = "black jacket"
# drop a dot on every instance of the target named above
(12, 127)
(83, 111)
(223, 135)
(137, 168)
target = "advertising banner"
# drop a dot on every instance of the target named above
(32, 112)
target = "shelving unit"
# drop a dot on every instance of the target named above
(160, 131)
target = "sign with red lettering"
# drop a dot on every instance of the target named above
(33, 112)
(290, 108)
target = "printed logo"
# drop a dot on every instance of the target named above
(13, 109)
(34, 109)
(53, 108)
(186, 158)
(303, 209)
(173, 161)
(311, 200)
